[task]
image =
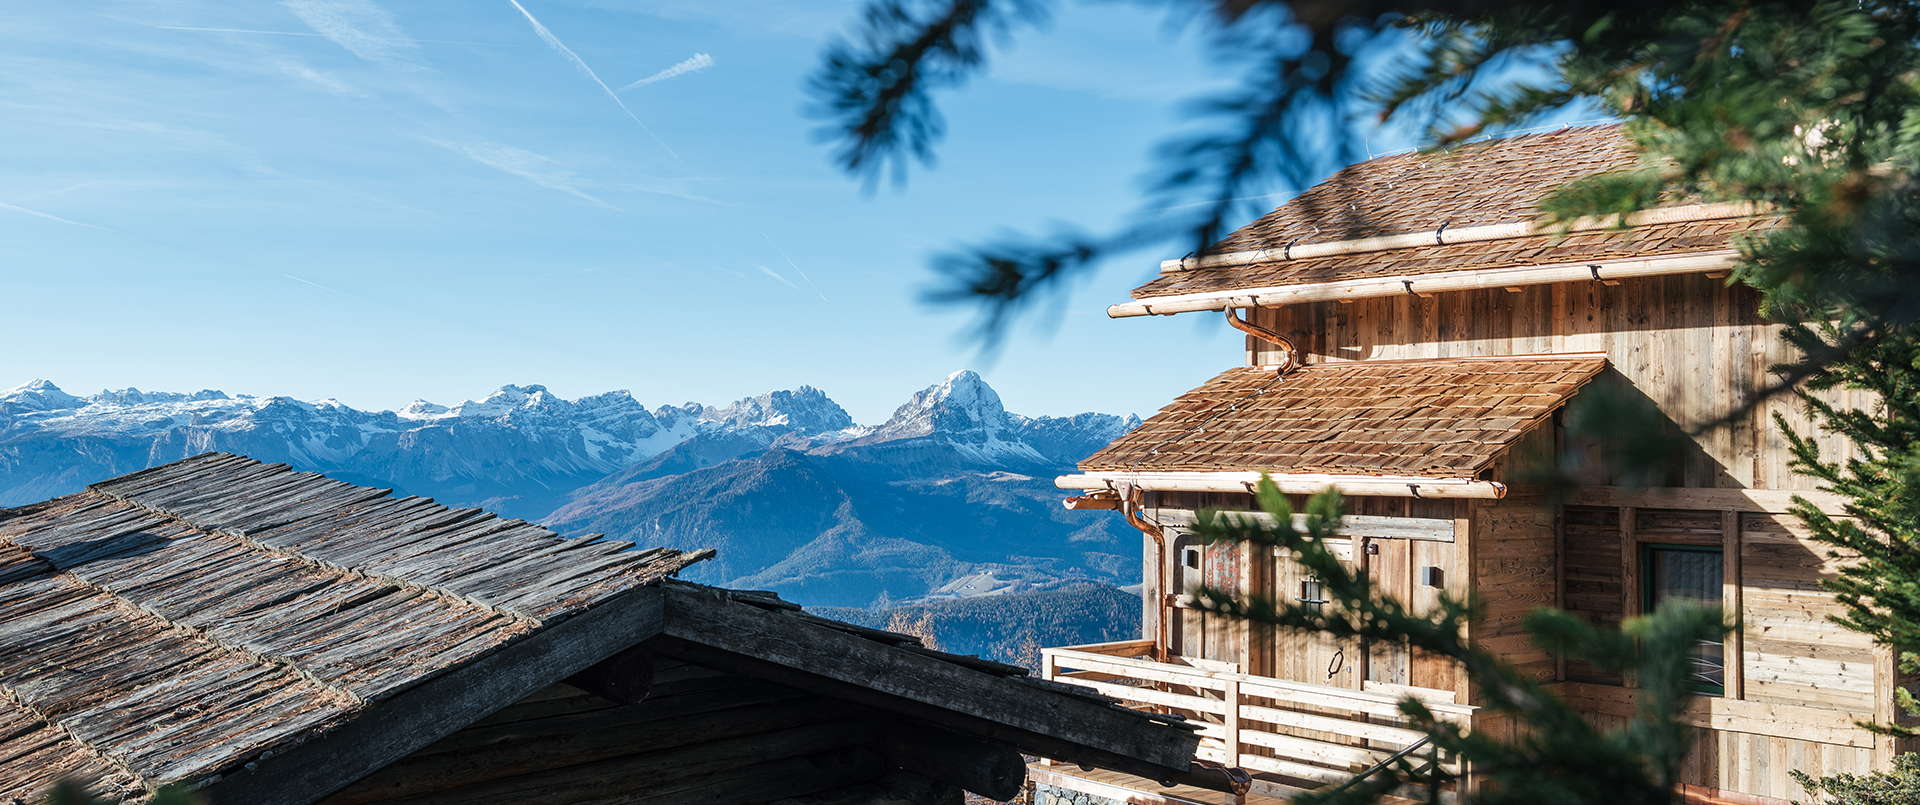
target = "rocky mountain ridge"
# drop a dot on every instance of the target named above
(520, 450)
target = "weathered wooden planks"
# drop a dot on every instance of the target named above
(150, 620)
(521, 570)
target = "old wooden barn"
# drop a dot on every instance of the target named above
(1414, 338)
(269, 636)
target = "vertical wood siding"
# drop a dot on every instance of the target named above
(1691, 345)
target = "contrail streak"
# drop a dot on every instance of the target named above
(4, 205)
(555, 43)
(700, 61)
(304, 33)
(770, 272)
(796, 266)
(325, 288)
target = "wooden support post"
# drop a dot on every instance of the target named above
(1886, 676)
(1464, 540)
(1629, 578)
(1050, 667)
(1559, 573)
(1734, 650)
(1232, 700)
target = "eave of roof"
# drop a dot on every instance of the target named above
(1296, 483)
(1376, 426)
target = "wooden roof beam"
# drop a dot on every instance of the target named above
(1466, 234)
(1718, 260)
(703, 625)
(1290, 483)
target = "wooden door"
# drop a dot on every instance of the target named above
(1307, 656)
(1389, 564)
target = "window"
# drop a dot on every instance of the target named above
(1692, 573)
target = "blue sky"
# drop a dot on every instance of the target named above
(383, 201)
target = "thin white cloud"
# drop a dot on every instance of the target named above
(57, 192)
(771, 273)
(535, 168)
(699, 61)
(6, 206)
(315, 77)
(554, 42)
(361, 27)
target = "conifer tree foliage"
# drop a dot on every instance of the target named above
(1881, 589)
(1557, 756)
(1806, 108)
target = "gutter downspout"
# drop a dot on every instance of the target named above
(1287, 350)
(1130, 500)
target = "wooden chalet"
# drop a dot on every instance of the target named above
(1414, 337)
(269, 636)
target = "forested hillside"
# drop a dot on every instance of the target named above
(1013, 627)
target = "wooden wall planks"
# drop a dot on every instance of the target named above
(1790, 655)
(1513, 573)
(562, 745)
(1689, 343)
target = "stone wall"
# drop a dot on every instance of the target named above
(1055, 795)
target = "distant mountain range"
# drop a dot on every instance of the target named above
(950, 497)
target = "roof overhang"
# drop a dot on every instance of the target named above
(1406, 486)
(1428, 284)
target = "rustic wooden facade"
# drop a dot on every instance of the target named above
(1417, 311)
(268, 636)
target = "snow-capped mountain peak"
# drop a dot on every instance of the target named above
(962, 405)
(804, 410)
(421, 409)
(517, 450)
(38, 395)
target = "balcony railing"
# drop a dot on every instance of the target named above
(1307, 732)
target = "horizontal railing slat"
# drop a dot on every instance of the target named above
(1267, 725)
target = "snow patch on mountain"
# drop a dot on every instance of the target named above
(804, 410)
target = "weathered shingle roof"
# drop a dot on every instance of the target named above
(169, 625)
(1497, 182)
(1446, 418)
(1490, 182)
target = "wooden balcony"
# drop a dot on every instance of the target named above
(1300, 734)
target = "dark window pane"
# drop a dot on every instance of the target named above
(1692, 575)
(1686, 574)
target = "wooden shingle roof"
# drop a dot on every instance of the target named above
(1490, 182)
(1446, 418)
(268, 636)
(1433, 209)
(173, 624)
